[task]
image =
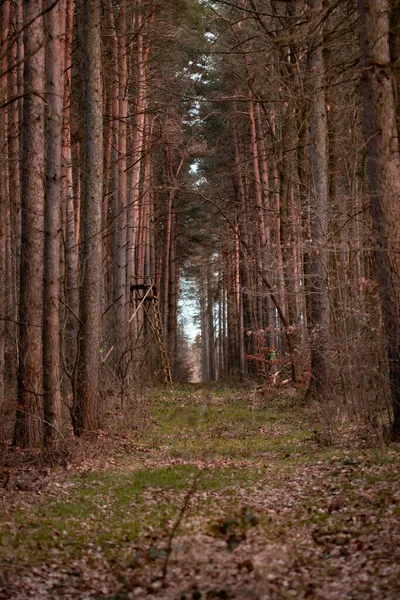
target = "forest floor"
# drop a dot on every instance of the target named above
(225, 495)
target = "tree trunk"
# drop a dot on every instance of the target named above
(138, 68)
(28, 424)
(14, 194)
(289, 237)
(383, 167)
(205, 364)
(263, 158)
(394, 41)
(4, 192)
(52, 224)
(71, 247)
(86, 409)
(319, 317)
(240, 237)
(276, 232)
(117, 201)
(173, 293)
(210, 323)
(122, 180)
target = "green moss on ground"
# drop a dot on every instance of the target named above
(250, 464)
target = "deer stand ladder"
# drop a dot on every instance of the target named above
(144, 295)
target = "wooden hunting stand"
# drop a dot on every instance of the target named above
(145, 297)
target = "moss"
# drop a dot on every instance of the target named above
(112, 510)
(197, 427)
(108, 511)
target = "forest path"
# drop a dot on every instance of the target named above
(262, 509)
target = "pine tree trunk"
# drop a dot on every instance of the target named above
(205, 373)
(52, 224)
(29, 414)
(276, 241)
(394, 41)
(239, 238)
(383, 168)
(122, 176)
(117, 200)
(15, 195)
(319, 317)
(138, 68)
(263, 159)
(210, 325)
(4, 193)
(173, 293)
(71, 247)
(10, 184)
(288, 233)
(86, 410)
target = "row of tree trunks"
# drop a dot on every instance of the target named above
(69, 248)
(297, 189)
(288, 191)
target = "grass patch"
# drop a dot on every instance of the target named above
(189, 427)
(109, 511)
(238, 443)
(258, 473)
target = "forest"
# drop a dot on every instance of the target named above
(200, 307)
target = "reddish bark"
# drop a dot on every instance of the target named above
(27, 430)
(383, 162)
(52, 222)
(86, 409)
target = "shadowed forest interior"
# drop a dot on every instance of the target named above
(222, 156)
(199, 201)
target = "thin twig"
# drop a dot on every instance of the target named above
(189, 494)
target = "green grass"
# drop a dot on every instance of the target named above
(187, 427)
(108, 512)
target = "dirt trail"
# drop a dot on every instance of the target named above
(258, 510)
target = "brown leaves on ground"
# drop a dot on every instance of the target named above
(325, 527)
(312, 544)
